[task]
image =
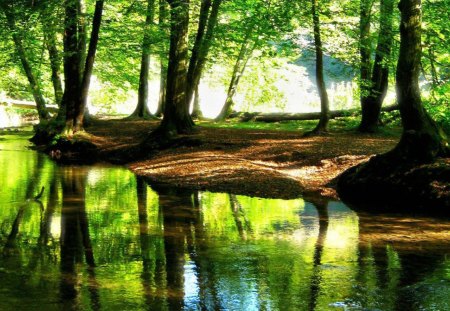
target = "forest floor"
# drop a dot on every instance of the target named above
(256, 162)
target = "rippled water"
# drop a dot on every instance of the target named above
(101, 239)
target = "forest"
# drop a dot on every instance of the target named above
(186, 154)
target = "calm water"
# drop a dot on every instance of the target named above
(101, 239)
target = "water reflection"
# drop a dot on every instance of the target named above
(101, 239)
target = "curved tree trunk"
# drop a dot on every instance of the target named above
(176, 118)
(324, 102)
(201, 47)
(244, 56)
(196, 111)
(32, 80)
(89, 66)
(422, 139)
(142, 110)
(371, 104)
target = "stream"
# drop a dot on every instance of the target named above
(100, 238)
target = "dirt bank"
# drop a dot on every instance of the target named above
(262, 163)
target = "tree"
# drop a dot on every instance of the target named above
(209, 11)
(374, 94)
(324, 102)
(422, 139)
(176, 118)
(77, 80)
(395, 173)
(142, 110)
(9, 11)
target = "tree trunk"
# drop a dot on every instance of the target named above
(371, 104)
(89, 66)
(202, 45)
(244, 56)
(55, 62)
(163, 72)
(32, 80)
(422, 139)
(364, 47)
(142, 110)
(176, 118)
(71, 66)
(324, 103)
(203, 20)
(197, 112)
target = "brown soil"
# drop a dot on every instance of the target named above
(252, 162)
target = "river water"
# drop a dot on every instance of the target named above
(99, 238)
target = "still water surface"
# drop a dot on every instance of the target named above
(101, 239)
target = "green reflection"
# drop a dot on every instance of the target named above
(101, 239)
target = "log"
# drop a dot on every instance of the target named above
(282, 116)
(25, 104)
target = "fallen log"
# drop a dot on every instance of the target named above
(25, 104)
(283, 116)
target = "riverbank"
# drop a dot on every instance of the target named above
(264, 163)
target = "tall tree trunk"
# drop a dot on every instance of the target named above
(89, 66)
(163, 61)
(324, 102)
(177, 119)
(71, 66)
(371, 104)
(55, 61)
(422, 139)
(198, 60)
(55, 64)
(142, 110)
(364, 47)
(244, 56)
(32, 80)
(202, 22)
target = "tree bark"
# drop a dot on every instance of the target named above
(32, 80)
(142, 110)
(244, 56)
(284, 116)
(371, 104)
(163, 71)
(324, 102)
(71, 66)
(55, 61)
(89, 66)
(364, 47)
(176, 118)
(422, 138)
(202, 45)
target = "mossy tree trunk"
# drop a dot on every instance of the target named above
(77, 77)
(176, 118)
(422, 138)
(378, 85)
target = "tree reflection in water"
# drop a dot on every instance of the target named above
(75, 239)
